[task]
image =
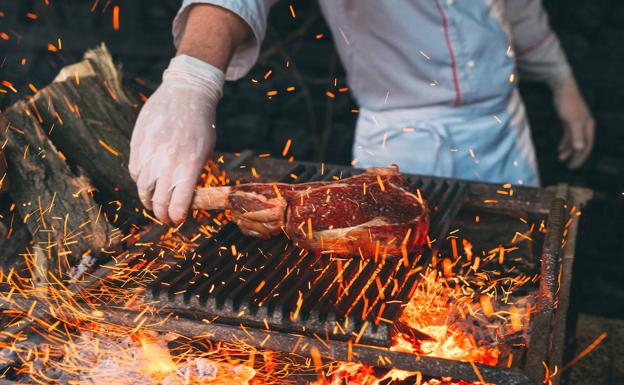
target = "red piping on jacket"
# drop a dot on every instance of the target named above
(537, 45)
(451, 52)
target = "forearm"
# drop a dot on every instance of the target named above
(212, 34)
(546, 63)
(538, 51)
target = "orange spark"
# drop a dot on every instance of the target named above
(585, 351)
(295, 315)
(516, 319)
(454, 247)
(108, 148)
(286, 147)
(447, 267)
(381, 184)
(477, 372)
(116, 18)
(9, 85)
(277, 191)
(467, 249)
(486, 305)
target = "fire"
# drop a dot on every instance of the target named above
(434, 313)
(78, 345)
(157, 357)
(356, 374)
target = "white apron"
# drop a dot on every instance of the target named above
(492, 148)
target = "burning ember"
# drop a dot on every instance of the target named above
(145, 359)
(353, 374)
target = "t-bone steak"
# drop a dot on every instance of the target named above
(370, 214)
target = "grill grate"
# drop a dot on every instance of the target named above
(274, 284)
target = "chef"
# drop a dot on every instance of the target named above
(436, 82)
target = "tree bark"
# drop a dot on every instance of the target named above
(4, 180)
(89, 117)
(14, 239)
(56, 205)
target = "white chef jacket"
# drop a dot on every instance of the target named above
(435, 80)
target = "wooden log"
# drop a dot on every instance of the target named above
(89, 118)
(14, 236)
(4, 180)
(14, 239)
(56, 205)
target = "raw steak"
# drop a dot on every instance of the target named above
(370, 214)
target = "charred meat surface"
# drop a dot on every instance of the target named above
(368, 214)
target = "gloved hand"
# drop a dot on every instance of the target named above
(174, 135)
(578, 123)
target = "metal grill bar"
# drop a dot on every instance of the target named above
(272, 282)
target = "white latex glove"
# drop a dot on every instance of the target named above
(174, 135)
(578, 123)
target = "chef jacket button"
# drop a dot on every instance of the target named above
(470, 64)
(510, 52)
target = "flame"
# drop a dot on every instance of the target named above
(357, 374)
(434, 312)
(157, 357)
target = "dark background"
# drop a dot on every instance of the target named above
(300, 53)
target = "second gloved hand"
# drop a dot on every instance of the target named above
(578, 123)
(174, 135)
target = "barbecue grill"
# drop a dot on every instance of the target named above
(272, 295)
(275, 284)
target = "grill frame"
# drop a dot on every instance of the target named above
(551, 202)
